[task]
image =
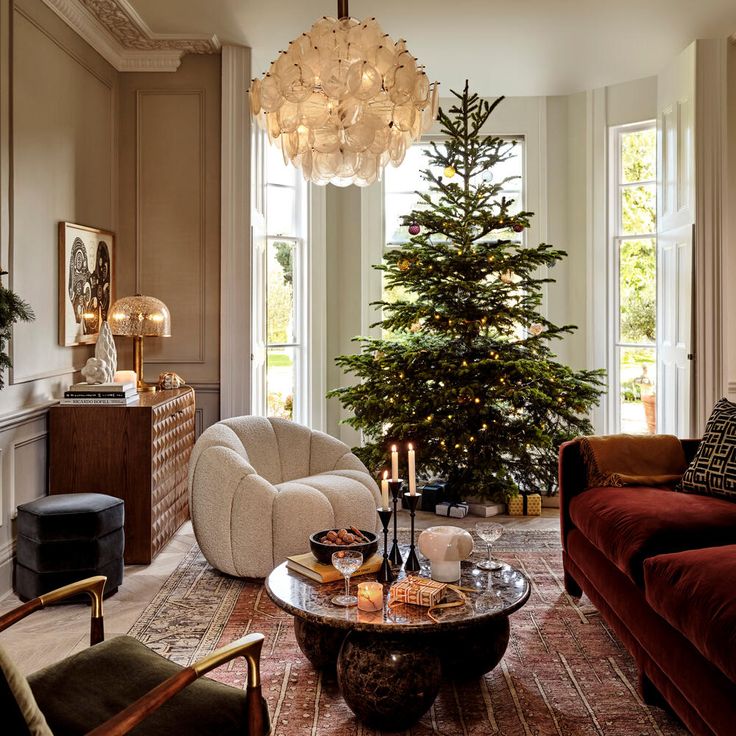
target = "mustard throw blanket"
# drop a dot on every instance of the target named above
(628, 460)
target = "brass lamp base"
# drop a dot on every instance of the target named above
(141, 385)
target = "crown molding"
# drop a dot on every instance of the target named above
(115, 30)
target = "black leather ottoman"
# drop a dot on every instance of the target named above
(68, 537)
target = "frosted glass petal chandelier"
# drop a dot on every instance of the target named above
(344, 100)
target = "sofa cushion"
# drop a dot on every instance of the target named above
(713, 469)
(694, 592)
(633, 523)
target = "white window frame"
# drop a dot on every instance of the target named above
(522, 118)
(309, 301)
(614, 240)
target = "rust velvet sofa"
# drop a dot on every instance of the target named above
(660, 566)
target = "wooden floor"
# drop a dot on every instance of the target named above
(54, 633)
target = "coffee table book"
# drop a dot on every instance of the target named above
(306, 565)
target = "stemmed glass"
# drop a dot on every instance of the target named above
(346, 562)
(489, 532)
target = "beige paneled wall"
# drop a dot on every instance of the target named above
(730, 225)
(170, 216)
(58, 150)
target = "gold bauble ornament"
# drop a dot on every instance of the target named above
(449, 171)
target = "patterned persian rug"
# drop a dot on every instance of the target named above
(564, 673)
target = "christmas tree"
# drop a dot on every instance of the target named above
(465, 370)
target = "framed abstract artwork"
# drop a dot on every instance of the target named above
(86, 280)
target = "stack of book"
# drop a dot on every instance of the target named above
(306, 565)
(109, 394)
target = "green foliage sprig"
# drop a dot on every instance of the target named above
(12, 309)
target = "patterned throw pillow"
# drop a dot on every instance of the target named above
(713, 469)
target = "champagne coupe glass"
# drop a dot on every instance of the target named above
(489, 532)
(346, 562)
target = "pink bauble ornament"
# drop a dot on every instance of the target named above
(414, 228)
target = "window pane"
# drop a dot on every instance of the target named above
(638, 155)
(637, 369)
(280, 382)
(277, 172)
(637, 291)
(638, 209)
(280, 315)
(280, 210)
(402, 183)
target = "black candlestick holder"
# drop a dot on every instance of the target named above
(395, 555)
(412, 561)
(385, 574)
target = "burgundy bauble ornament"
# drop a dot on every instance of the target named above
(518, 228)
(415, 228)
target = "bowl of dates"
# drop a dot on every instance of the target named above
(324, 544)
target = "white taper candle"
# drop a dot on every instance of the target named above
(412, 475)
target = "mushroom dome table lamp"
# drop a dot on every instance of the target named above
(138, 317)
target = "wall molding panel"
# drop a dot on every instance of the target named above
(117, 32)
(145, 240)
(15, 446)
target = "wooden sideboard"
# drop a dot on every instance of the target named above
(138, 453)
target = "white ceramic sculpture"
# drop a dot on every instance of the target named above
(95, 371)
(445, 547)
(105, 350)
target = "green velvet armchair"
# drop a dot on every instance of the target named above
(121, 686)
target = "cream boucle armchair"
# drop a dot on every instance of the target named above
(259, 487)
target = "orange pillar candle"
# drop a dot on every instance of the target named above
(370, 596)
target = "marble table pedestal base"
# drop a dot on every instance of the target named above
(320, 644)
(471, 651)
(388, 682)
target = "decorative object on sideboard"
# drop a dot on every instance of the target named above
(86, 281)
(138, 317)
(105, 350)
(12, 310)
(125, 377)
(344, 100)
(168, 380)
(95, 371)
(445, 547)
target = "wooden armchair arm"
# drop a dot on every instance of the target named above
(93, 586)
(248, 647)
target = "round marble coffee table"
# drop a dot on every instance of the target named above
(390, 662)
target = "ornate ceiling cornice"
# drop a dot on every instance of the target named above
(116, 31)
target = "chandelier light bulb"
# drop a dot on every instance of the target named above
(344, 100)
